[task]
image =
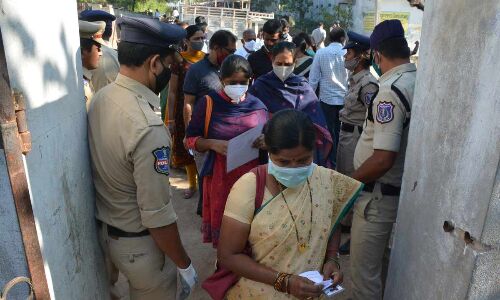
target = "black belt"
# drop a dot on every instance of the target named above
(120, 233)
(350, 128)
(386, 189)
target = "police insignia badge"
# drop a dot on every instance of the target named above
(162, 160)
(385, 112)
(368, 98)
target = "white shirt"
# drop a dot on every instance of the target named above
(319, 36)
(242, 52)
(328, 72)
(258, 44)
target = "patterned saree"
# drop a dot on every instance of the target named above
(273, 234)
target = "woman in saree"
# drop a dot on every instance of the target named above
(175, 103)
(281, 89)
(296, 228)
(303, 61)
(230, 112)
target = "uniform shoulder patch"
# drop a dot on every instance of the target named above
(368, 98)
(385, 112)
(162, 160)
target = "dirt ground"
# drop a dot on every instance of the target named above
(203, 255)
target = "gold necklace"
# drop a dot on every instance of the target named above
(301, 246)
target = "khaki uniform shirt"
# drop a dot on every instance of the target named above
(108, 68)
(88, 88)
(362, 87)
(387, 130)
(130, 152)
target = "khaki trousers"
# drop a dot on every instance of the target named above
(345, 159)
(345, 151)
(374, 216)
(143, 264)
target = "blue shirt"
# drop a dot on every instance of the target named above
(201, 78)
(328, 72)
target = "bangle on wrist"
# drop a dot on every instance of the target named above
(287, 288)
(280, 279)
(334, 259)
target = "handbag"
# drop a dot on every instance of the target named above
(223, 279)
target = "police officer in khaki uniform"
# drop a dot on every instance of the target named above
(108, 65)
(379, 159)
(362, 87)
(90, 44)
(130, 153)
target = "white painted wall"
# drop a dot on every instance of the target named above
(42, 48)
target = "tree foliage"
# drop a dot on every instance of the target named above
(341, 14)
(134, 5)
(297, 7)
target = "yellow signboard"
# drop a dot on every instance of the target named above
(404, 17)
(368, 21)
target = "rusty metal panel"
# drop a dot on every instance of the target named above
(15, 167)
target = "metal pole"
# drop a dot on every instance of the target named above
(9, 133)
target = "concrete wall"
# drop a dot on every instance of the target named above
(362, 7)
(43, 56)
(452, 161)
(12, 256)
(359, 10)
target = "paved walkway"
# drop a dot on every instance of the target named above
(202, 255)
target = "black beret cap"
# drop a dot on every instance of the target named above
(150, 32)
(385, 30)
(96, 15)
(357, 41)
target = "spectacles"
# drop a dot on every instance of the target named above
(231, 51)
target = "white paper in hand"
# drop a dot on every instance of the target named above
(328, 288)
(240, 150)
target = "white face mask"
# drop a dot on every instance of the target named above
(283, 72)
(250, 45)
(236, 92)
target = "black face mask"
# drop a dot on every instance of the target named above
(162, 79)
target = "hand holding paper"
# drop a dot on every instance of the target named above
(240, 149)
(328, 288)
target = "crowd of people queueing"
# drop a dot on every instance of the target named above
(273, 217)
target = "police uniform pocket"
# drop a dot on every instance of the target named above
(143, 270)
(372, 210)
(362, 204)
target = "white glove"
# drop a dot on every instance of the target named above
(188, 279)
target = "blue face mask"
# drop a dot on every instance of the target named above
(290, 177)
(310, 52)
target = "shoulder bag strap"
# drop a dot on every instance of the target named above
(261, 176)
(208, 115)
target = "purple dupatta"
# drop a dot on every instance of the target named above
(295, 93)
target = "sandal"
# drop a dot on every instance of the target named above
(188, 194)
